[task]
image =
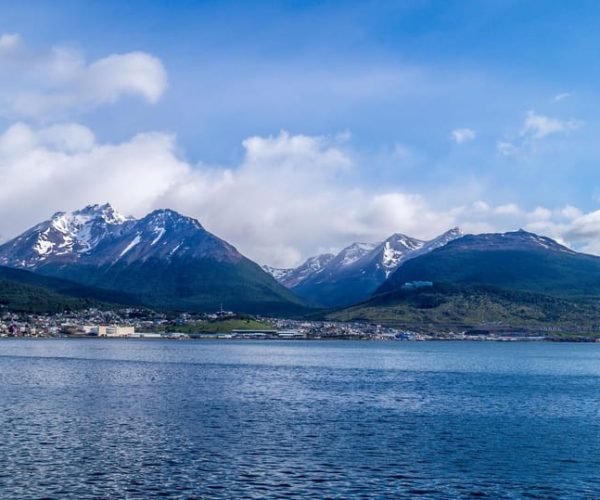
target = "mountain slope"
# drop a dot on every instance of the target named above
(25, 291)
(358, 270)
(449, 307)
(163, 260)
(292, 277)
(19, 297)
(517, 260)
(63, 287)
(65, 237)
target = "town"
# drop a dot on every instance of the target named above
(149, 324)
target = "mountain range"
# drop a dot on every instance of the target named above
(356, 272)
(166, 260)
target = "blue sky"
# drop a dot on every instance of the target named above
(483, 114)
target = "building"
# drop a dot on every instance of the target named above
(112, 331)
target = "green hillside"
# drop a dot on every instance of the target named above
(18, 297)
(64, 287)
(455, 307)
(200, 285)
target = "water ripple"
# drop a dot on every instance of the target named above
(139, 419)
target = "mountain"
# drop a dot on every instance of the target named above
(65, 237)
(358, 270)
(163, 260)
(516, 260)
(514, 279)
(292, 277)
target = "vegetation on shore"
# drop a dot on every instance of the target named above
(221, 325)
(451, 307)
(19, 297)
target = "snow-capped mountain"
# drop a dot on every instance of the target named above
(165, 258)
(438, 242)
(359, 269)
(65, 236)
(516, 260)
(100, 235)
(164, 235)
(292, 277)
(389, 254)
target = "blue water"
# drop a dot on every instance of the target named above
(185, 419)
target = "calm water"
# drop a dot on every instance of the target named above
(103, 418)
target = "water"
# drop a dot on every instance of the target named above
(135, 419)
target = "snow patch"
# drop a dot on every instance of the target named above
(354, 252)
(160, 233)
(133, 243)
(43, 246)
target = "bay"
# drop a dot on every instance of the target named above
(231, 419)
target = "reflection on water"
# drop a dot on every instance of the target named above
(115, 418)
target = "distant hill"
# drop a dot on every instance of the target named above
(450, 307)
(19, 297)
(516, 260)
(64, 287)
(163, 260)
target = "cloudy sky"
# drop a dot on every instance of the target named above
(292, 128)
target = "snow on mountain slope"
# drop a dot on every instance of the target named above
(389, 254)
(294, 276)
(359, 269)
(349, 256)
(279, 273)
(65, 236)
(367, 257)
(164, 260)
(98, 234)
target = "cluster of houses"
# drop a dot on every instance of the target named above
(137, 323)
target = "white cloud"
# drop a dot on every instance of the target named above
(538, 126)
(535, 128)
(561, 97)
(507, 148)
(539, 214)
(462, 135)
(570, 212)
(9, 42)
(59, 81)
(62, 167)
(508, 209)
(481, 206)
(289, 197)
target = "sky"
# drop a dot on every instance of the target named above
(295, 128)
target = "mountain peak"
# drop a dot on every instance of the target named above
(165, 217)
(511, 240)
(399, 239)
(104, 211)
(292, 277)
(454, 231)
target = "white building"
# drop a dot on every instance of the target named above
(109, 330)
